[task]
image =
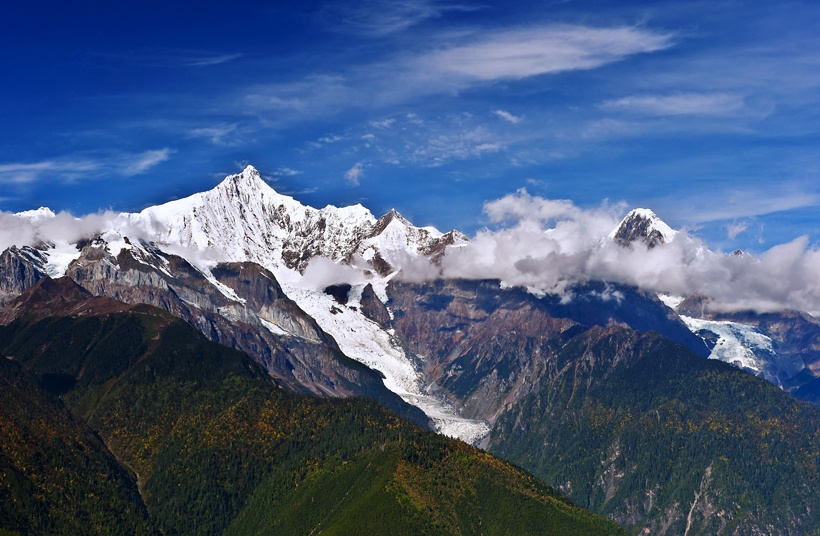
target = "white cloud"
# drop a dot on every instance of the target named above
(142, 162)
(286, 172)
(507, 116)
(452, 63)
(378, 18)
(62, 228)
(215, 133)
(213, 60)
(679, 104)
(460, 145)
(92, 168)
(550, 245)
(523, 53)
(313, 95)
(355, 174)
(521, 206)
(714, 206)
(736, 228)
(22, 173)
(385, 123)
(68, 169)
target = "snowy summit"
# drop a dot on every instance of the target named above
(641, 224)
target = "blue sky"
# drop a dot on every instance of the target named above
(706, 112)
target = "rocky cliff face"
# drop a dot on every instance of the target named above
(483, 346)
(20, 268)
(240, 305)
(603, 304)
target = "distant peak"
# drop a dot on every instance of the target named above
(387, 219)
(644, 225)
(395, 215)
(36, 215)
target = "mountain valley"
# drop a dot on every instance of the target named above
(612, 393)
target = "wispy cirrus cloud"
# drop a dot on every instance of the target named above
(739, 205)
(471, 59)
(286, 172)
(460, 145)
(217, 134)
(207, 61)
(72, 169)
(355, 174)
(508, 117)
(169, 57)
(22, 173)
(737, 227)
(523, 53)
(314, 95)
(384, 123)
(379, 18)
(142, 162)
(678, 104)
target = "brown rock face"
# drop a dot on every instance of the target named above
(244, 308)
(373, 308)
(482, 347)
(57, 297)
(20, 268)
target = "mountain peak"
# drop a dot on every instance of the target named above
(644, 225)
(41, 213)
(248, 178)
(393, 214)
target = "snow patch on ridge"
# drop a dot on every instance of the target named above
(59, 257)
(274, 328)
(671, 301)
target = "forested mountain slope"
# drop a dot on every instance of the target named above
(216, 447)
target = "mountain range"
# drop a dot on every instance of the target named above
(618, 395)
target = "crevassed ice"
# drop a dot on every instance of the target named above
(737, 343)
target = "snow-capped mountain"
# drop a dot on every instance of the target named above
(38, 214)
(519, 371)
(641, 224)
(740, 339)
(237, 262)
(176, 256)
(244, 219)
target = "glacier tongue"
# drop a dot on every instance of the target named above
(738, 344)
(363, 340)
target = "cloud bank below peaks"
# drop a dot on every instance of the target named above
(550, 245)
(43, 227)
(546, 245)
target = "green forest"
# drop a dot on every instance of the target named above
(133, 423)
(643, 421)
